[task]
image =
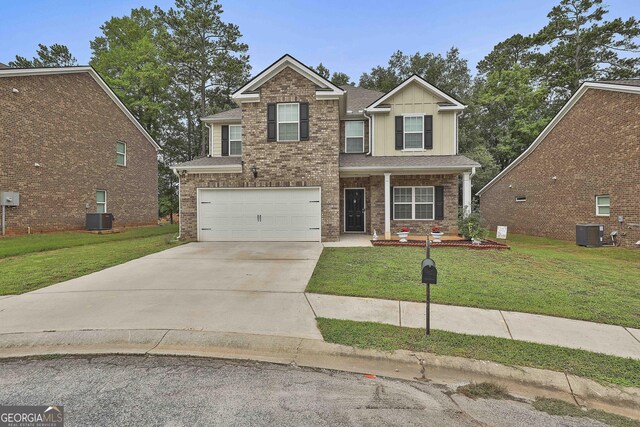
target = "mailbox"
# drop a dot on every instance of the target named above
(429, 272)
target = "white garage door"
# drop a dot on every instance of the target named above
(264, 214)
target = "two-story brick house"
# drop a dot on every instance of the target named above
(302, 159)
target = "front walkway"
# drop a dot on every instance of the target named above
(596, 337)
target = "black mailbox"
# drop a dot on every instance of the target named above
(429, 272)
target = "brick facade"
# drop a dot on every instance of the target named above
(69, 126)
(309, 163)
(593, 150)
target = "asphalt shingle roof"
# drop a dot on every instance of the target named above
(233, 114)
(364, 161)
(626, 82)
(212, 161)
(358, 98)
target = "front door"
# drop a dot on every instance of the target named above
(354, 209)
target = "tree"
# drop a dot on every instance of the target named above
(449, 73)
(337, 78)
(580, 45)
(322, 70)
(517, 50)
(56, 55)
(208, 57)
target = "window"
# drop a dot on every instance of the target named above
(521, 198)
(121, 153)
(413, 132)
(413, 203)
(354, 137)
(235, 140)
(603, 205)
(288, 122)
(101, 201)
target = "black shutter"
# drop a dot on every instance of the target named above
(439, 205)
(391, 213)
(225, 140)
(399, 134)
(304, 121)
(271, 122)
(428, 132)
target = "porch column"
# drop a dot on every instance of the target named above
(387, 206)
(466, 193)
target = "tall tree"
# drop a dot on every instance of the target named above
(517, 50)
(337, 78)
(56, 55)
(207, 54)
(580, 45)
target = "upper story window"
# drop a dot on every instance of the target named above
(413, 132)
(354, 137)
(101, 201)
(603, 205)
(413, 203)
(121, 153)
(288, 119)
(235, 140)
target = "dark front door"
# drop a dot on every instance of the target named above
(354, 209)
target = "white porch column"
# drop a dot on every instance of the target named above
(466, 193)
(387, 206)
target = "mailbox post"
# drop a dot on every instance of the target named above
(429, 277)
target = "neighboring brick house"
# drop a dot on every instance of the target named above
(582, 168)
(303, 159)
(69, 146)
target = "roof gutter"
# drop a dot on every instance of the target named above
(369, 119)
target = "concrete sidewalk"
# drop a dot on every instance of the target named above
(596, 337)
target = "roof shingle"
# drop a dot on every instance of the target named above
(233, 114)
(419, 162)
(359, 98)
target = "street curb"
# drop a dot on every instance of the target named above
(520, 381)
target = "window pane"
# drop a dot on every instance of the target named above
(424, 194)
(120, 159)
(413, 124)
(120, 147)
(354, 128)
(235, 148)
(424, 211)
(100, 196)
(603, 201)
(412, 140)
(402, 211)
(100, 208)
(288, 131)
(235, 133)
(402, 195)
(287, 112)
(355, 145)
(604, 210)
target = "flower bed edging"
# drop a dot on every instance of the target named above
(486, 244)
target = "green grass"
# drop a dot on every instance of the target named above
(599, 367)
(561, 408)
(484, 391)
(537, 275)
(38, 269)
(21, 245)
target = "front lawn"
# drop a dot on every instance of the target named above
(537, 275)
(599, 367)
(81, 254)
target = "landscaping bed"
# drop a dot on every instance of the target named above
(485, 244)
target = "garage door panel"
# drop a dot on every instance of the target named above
(283, 214)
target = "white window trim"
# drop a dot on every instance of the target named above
(235, 140)
(521, 199)
(346, 136)
(125, 153)
(101, 203)
(404, 132)
(598, 206)
(278, 121)
(413, 203)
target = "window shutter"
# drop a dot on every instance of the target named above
(225, 140)
(304, 121)
(392, 209)
(271, 122)
(439, 205)
(399, 134)
(428, 132)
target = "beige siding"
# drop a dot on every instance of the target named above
(216, 140)
(414, 99)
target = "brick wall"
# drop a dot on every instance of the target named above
(69, 126)
(593, 150)
(281, 164)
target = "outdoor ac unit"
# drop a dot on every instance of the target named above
(99, 221)
(589, 234)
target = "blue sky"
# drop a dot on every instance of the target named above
(349, 36)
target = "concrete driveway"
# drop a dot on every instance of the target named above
(255, 288)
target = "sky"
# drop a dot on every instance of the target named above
(348, 35)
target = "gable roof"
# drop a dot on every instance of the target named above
(232, 115)
(451, 104)
(326, 89)
(619, 86)
(358, 98)
(18, 72)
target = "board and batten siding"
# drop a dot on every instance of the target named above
(414, 99)
(215, 138)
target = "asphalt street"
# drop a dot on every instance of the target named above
(175, 391)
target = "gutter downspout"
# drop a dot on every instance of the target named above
(370, 119)
(175, 171)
